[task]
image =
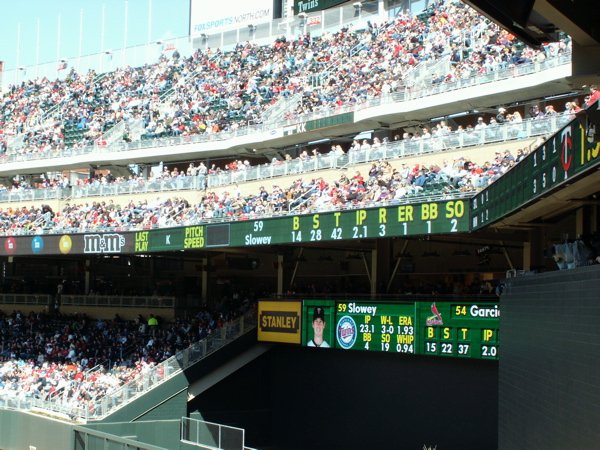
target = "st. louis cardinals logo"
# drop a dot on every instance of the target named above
(436, 319)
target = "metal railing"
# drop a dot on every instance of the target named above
(213, 435)
(183, 183)
(281, 108)
(392, 150)
(86, 438)
(422, 72)
(118, 301)
(143, 382)
(25, 299)
(30, 194)
(396, 97)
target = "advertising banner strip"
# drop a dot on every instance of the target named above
(207, 19)
(451, 216)
(279, 321)
(308, 6)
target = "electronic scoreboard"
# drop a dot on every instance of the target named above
(567, 154)
(461, 329)
(378, 327)
(399, 220)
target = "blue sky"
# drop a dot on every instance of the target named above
(169, 19)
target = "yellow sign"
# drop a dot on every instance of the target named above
(279, 321)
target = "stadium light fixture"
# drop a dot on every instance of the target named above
(318, 141)
(559, 96)
(302, 15)
(450, 116)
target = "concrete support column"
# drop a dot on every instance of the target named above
(86, 279)
(581, 227)
(279, 275)
(204, 282)
(526, 255)
(533, 251)
(385, 252)
(381, 9)
(374, 271)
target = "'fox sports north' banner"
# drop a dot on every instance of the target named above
(205, 18)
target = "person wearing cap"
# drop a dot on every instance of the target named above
(318, 325)
(500, 117)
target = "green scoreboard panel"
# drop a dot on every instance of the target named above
(461, 329)
(415, 219)
(401, 220)
(564, 156)
(379, 327)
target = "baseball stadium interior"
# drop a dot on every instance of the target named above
(172, 230)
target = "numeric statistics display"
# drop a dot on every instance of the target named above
(565, 155)
(455, 329)
(452, 216)
(463, 330)
(401, 220)
(376, 327)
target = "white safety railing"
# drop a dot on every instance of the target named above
(392, 150)
(212, 435)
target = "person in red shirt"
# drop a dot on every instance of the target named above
(593, 97)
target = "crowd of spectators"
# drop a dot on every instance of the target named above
(384, 184)
(76, 360)
(40, 112)
(211, 91)
(438, 136)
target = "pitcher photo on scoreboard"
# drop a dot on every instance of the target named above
(317, 324)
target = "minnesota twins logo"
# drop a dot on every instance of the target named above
(566, 157)
(346, 332)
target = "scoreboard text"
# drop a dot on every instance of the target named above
(463, 329)
(557, 161)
